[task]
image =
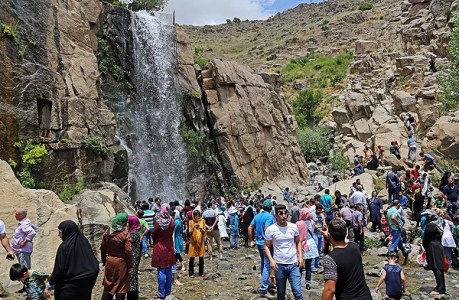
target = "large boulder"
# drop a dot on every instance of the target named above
(444, 136)
(343, 186)
(45, 210)
(364, 47)
(363, 130)
(404, 101)
(407, 65)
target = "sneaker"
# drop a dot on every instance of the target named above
(268, 296)
(146, 255)
(313, 270)
(308, 287)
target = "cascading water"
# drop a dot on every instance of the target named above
(149, 124)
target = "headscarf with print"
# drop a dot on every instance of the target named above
(165, 219)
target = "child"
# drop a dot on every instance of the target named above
(385, 224)
(34, 281)
(392, 275)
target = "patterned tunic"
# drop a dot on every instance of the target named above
(136, 253)
(35, 285)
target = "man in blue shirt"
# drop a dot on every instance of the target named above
(327, 202)
(287, 196)
(262, 221)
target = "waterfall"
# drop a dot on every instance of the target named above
(149, 124)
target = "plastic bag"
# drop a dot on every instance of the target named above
(422, 259)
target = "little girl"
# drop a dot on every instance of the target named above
(392, 275)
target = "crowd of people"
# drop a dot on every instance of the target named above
(324, 234)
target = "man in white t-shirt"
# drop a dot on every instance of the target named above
(5, 241)
(287, 258)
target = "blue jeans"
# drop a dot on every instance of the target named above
(164, 281)
(318, 239)
(292, 273)
(265, 268)
(234, 239)
(397, 241)
(144, 244)
(308, 269)
(452, 208)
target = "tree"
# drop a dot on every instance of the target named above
(305, 106)
(148, 4)
(449, 77)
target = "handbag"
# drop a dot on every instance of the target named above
(446, 264)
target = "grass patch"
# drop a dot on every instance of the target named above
(70, 189)
(305, 105)
(318, 70)
(365, 6)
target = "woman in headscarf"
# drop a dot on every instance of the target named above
(135, 233)
(163, 257)
(178, 239)
(435, 252)
(197, 231)
(116, 252)
(75, 267)
(222, 223)
(306, 228)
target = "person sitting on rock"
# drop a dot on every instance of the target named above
(358, 168)
(432, 66)
(429, 161)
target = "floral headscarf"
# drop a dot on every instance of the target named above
(165, 219)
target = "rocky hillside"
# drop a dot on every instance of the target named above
(387, 77)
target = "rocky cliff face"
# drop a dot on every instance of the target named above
(49, 85)
(253, 128)
(386, 84)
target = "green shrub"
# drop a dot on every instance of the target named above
(199, 59)
(108, 63)
(70, 189)
(305, 106)
(32, 159)
(194, 140)
(365, 6)
(314, 142)
(9, 31)
(339, 161)
(95, 144)
(449, 77)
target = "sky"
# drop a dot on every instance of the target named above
(211, 12)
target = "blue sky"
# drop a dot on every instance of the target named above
(203, 12)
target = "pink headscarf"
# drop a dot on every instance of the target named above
(305, 215)
(165, 219)
(134, 224)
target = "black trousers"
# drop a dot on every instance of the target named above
(440, 279)
(107, 296)
(359, 239)
(191, 266)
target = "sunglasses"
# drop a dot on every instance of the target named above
(282, 212)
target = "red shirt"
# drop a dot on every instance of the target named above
(415, 173)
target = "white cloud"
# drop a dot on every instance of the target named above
(202, 12)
